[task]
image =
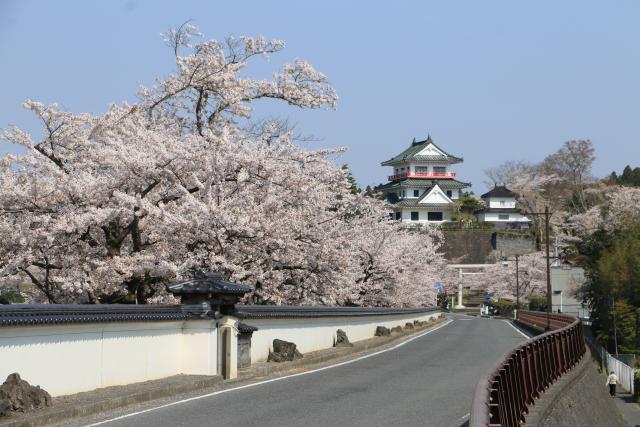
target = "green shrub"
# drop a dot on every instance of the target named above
(503, 306)
(11, 297)
(538, 303)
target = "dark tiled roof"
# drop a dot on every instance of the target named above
(205, 283)
(290, 311)
(499, 191)
(49, 314)
(445, 184)
(436, 158)
(411, 152)
(243, 328)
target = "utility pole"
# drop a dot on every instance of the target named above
(517, 285)
(546, 214)
(546, 233)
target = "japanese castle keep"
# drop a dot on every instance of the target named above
(422, 187)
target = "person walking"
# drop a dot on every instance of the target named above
(612, 380)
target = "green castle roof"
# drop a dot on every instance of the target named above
(411, 153)
(445, 184)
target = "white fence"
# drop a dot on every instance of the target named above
(624, 372)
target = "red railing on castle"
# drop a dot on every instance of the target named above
(422, 175)
(504, 397)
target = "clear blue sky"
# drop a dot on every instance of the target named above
(490, 80)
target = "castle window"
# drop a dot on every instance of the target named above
(449, 193)
(415, 216)
(503, 217)
(416, 193)
(434, 216)
(398, 216)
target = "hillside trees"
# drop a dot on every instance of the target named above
(562, 181)
(112, 207)
(629, 177)
(572, 165)
(612, 262)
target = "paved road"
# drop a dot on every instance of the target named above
(426, 382)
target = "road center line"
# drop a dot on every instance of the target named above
(519, 331)
(366, 356)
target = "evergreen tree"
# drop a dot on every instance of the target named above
(612, 263)
(630, 177)
(351, 179)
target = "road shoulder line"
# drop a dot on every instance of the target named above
(508, 322)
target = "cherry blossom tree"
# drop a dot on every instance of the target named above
(112, 207)
(398, 265)
(499, 279)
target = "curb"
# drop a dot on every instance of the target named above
(69, 410)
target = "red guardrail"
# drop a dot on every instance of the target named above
(503, 397)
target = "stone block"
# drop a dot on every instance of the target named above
(283, 351)
(382, 331)
(18, 395)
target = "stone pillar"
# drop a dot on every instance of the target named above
(460, 290)
(245, 332)
(228, 333)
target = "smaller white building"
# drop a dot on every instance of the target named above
(500, 208)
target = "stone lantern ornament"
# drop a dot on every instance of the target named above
(208, 295)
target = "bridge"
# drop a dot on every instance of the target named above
(447, 372)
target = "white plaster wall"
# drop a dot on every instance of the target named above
(410, 193)
(200, 347)
(429, 167)
(317, 334)
(66, 359)
(422, 215)
(493, 217)
(502, 202)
